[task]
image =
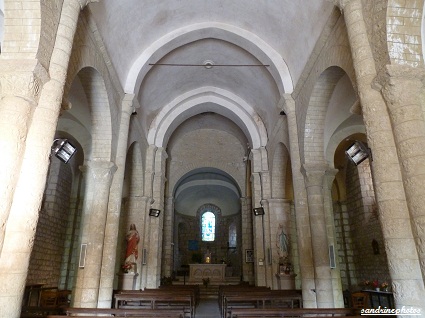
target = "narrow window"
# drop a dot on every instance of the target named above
(232, 235)
(208, 226)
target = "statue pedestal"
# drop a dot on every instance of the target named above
(286, 281)
(127, 281)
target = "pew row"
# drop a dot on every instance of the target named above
(293, 312)
(114, 312)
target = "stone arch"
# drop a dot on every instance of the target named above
(243, 38)
(100, 130)
(191, 103)
(404, 24)
(280, 160)
(336, 56)
(232, 171)
(316, 114)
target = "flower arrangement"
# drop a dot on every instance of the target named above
(384, 285)
(375, 283)
(206, 281)
(366, 283)
(126, 267)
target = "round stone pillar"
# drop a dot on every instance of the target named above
(98, 175)
(114, 208)
(330, 229)
(301, 209)
(403, 89)
(168, 242)
(407, 281)
(314, 178)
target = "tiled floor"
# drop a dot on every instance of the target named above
(207, 308)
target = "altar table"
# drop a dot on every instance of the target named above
(215, 272)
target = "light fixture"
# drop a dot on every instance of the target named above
(357, 152)
(258, 211)
(282, 113)
(63, 149)
(154, 212)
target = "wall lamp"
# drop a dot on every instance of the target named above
(358, 152)
(154, 212)
(63, 149)
(258, 211)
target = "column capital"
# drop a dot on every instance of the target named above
(128, 104)
(314, 173)
(399, 81)
(100, 170)
(22, 78)
(341, 3)
(84, 3)
(287, 103)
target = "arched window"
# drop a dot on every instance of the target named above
(232, 235)
(208, 226)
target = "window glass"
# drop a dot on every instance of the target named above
(208, 226)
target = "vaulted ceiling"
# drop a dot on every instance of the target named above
(245, 53)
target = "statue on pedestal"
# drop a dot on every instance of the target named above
(132, 251)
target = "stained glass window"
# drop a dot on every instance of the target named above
(208, 226)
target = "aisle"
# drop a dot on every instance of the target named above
(207, 308)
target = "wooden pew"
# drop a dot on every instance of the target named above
(155, 299)
(135, 313)
(227, 290)
(293, 312)
(261, 299)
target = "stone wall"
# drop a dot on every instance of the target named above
(46, 257)
(189, 229)
(357, 227)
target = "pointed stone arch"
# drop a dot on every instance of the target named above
(243, 38)
(220, 101)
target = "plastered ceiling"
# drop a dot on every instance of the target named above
(272, 38)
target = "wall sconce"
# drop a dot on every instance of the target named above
(63, 149)
(357, 152)
(258, 211)
(154, 212)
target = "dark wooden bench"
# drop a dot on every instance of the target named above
(156, 300)
(262, 299)
(37, 311)
(135, 313)
(228, 290)
(293, 312)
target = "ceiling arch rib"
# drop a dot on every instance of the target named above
(226, 32)
(218, 100)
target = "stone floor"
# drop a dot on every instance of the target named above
(207, 308)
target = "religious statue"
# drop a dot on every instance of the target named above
(284, 250)
(131, 254)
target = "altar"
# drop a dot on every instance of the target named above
(215, 272)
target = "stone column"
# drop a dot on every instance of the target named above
(301, 209)
(330, 229)
(21, 82)
(280, 220)
(403, 89)
(23, 215)
(247, 239)
(314, 177)
(394, 216)
(259, 235)
(114, 208)
(158, 158)
(168, 245)
(137, 214)
(98, 176)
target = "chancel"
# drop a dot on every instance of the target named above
(222, 131)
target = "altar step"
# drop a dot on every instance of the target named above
(181, 280)
(210, 292)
